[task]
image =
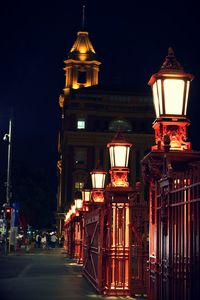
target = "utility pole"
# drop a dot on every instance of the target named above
(8, 138)
(8, 182)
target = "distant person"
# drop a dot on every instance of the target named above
(61, 241)
(48, 238)
(38, 241)
(53, 240)
(44, 241)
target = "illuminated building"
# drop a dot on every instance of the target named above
(90, 114)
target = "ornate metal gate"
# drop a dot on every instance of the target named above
(140, 246)
(175, 244)
(93, 248)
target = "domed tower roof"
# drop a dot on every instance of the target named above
(81, 66)
(82, 48)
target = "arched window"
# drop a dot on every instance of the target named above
(120, 124)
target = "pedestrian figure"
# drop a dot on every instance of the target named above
(48, 240)
(44, 241)
(53, 240)
(38, 241)
(61, 241)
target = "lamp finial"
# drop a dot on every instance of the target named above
(171, 63)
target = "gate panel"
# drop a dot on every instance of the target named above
(140, 246)
(175, 264)
(93, 248)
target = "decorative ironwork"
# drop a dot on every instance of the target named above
(176, 131)
(119, 178)
(171, 63)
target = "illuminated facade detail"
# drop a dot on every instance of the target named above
(170, 87)
(81, 68)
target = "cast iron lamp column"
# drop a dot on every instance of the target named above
(118, 200)
(171, 168)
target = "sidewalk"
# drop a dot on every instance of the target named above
(32, 250)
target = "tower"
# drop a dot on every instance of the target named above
(90, 115)
(81, 66)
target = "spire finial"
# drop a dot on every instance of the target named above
(171, 63)
(83, 18)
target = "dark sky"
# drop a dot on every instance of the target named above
(131, 39)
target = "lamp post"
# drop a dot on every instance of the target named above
(86, 196)
(172, 171)
(170, 87)
(118, 200)
(8, 137)
(119, 150)
(98, 181)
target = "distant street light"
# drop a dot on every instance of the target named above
(98, 176)
(8, 137)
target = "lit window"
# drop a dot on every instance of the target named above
(79, 185)
(81, 124)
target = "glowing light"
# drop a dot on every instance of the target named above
(119, 156)
(78, 203)
(73, 208)
(86, 195)
(119, 151)
(98, 180)
(174, 92)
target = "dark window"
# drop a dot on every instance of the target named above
(81, 77)
(137, 164)
(80, 156)
(123, 125)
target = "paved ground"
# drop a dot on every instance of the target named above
(44, 275)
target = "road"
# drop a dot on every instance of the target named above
(44, 275)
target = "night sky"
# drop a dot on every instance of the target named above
(130, 38)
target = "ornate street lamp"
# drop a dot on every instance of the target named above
(98, 181)
(86, 196)
(170, 88)
(119, 150)
(118, 200)
(78, 200)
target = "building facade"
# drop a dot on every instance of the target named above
(90, 116)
